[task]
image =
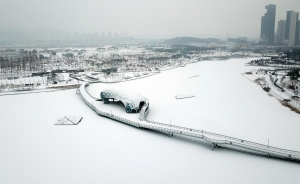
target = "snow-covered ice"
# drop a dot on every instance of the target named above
(100, 150)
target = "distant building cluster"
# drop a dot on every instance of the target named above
(288, 31)
(18, 35)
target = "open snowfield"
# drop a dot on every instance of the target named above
(100, 150)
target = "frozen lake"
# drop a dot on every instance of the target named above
(100, 150)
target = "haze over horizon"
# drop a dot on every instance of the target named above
(144, 18)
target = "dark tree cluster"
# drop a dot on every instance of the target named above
(293, 54)
(260, 61)
(294, 75)
(108, 71)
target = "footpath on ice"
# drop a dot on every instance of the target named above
(217, 140)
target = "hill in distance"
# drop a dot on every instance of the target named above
(187, 40)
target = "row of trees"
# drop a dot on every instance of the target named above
(16, 65)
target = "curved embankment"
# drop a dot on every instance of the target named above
(217, 140)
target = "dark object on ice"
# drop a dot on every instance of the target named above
(267, 89)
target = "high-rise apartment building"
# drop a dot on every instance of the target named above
(287, 24)
(292, 27)
(298, 33)
(268, 25)
(281, 32)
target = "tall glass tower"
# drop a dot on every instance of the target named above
(292, 30)
(268, 25)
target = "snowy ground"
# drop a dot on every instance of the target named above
(100, 150)
(267, 80)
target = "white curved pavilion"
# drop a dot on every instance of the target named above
(132, 100)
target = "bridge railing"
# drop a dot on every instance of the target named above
(201, 134)
(266, 151)
(276, 95)
(226, 137)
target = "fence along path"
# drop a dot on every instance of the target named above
(217, 140)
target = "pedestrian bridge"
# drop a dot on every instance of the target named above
(216, 140)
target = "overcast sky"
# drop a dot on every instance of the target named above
(144, 18)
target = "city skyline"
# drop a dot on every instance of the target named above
(288, 30)
(20, 35)
(143, 19)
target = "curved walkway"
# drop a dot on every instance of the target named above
(275, 83)
(217, 140)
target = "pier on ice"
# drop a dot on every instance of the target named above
(216, 140)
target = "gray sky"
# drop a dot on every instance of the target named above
(144, 18)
